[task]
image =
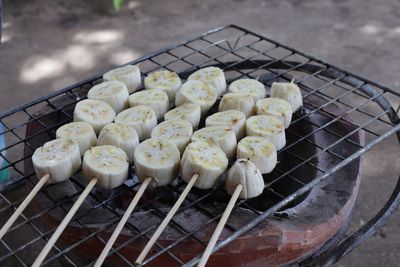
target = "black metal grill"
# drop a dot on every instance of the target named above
(365, 106)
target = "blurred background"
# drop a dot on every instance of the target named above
(47, 45)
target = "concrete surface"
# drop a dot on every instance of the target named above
(51, 44)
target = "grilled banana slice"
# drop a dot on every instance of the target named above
(251, 86)
(277, 107)
(109, 164)
(238, 101)
(212, 76)
(234, 119)
(288, 91)
(176, 131)
(158, 159)
(113, 93)
(156, 99)
(188, 111)
(246, 173)
(164, 80)
(260, 151)
(129, 75)
(60, 158)
(205, 159)
(81, 132)
(142, 118)
(120, 135)
(268, 127)
(197, 92)
(95, 112)
(221, 136)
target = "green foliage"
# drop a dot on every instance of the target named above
(117, 4)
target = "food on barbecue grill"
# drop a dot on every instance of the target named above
(238, 101)
(197, 92)
(81, 132)
(120, 135)
(221, 136)
(205, 159)
(269, 127)
(60, 158)
(176, 131)
(142, 118)
(288, 91)
(234, 119)
(164, 80)
(255, 88)
(108, 164)
(188, 111)
(277, 107)
(260, 151)
(129, 75)
(246, 173)
(95, 112)
(159, 159)
(154, 98)
(113, 93)
(212, 76)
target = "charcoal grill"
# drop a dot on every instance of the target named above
(303, 214)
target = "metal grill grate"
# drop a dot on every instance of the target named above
(364, 106)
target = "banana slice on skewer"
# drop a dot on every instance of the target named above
(268, 127)
(108, 164)
(129, 75)
(246, 173)
(142, 118)
(206, 160)
(176, 131)
(234, 119)
(260, 151)
(154, 98)
(158, 159)
(255, 88)
(113, 93)
(95, 112)
(238, 101)
(220, 136)
(212, 76)
(288, 91)
(120, 135)
(277, 107)
(164, 80)
(81, 132)
(188, 111)
(194, 91)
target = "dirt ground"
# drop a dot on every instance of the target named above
(51, 44)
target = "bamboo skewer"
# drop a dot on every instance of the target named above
(122, 222)
(23, 205)
(220, 226)
(166, 220)
(64, 223)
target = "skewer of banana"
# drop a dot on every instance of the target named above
(277, 107)
(251, 86)
(244, 181)
(154, 98)
(107, 166)
(212, 76)
(157, 164)
(238, 101)
(164, 80)
(188, 111)
(288, 91)
(54, 162)
(234, 119)
(201, 165)
(176, 131)
(269, 127)
(129, 75)
(113, 93)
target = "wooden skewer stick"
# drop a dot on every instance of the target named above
(64, 223)
(220, 226)
(24, 204)
(166, 220)
(122, 222)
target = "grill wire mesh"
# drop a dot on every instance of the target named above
(242, 54)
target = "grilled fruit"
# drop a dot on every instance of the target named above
(158, 159)
(129, 75)
(277, 107)
(156, 99)
(113, 93)
(164, 80)
(60, 158)
(142, 118)
(212, 76)
(176, 131)
(234, 119)
(288, 91)
(268, 127)
(251, 86)
(188, 111)
(81, 132)
(238, 101)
